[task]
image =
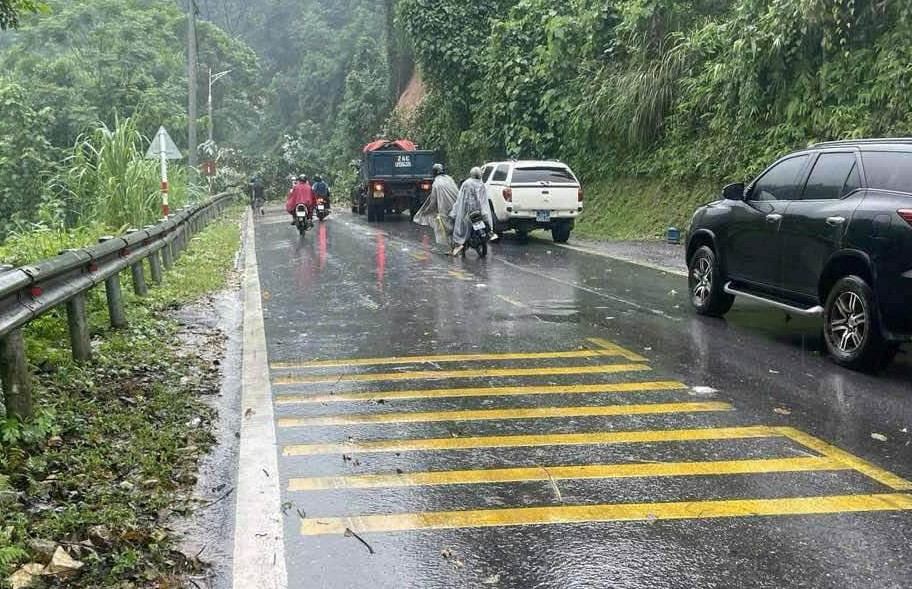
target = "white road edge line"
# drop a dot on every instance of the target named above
(629, 260)
(259, 537)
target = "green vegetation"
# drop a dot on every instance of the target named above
(114, 451)
(662, 91)
(84, 85)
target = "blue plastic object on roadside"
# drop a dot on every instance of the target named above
(674, 235)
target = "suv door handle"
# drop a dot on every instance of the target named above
(835, 221)
(773, 218)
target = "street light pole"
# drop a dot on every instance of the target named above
(212, 80)
(191, 69)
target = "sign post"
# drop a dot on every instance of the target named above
(164, 149)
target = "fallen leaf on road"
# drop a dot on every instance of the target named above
(249, 413)
(879, 437)
(492, 580)
(782, 411)
(773, 371)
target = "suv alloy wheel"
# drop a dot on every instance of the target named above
(705, 284)
(852, 325)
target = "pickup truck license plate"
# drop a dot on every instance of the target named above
(543, 216)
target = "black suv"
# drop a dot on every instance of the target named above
(822, 232)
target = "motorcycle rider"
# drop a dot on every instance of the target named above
(473, 196)
(257, 195)
(301, 193)
(321, 190)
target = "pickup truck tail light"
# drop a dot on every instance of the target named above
(906, 214)
(508, 194)
(579, 194)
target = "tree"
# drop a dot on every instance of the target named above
(11, 9)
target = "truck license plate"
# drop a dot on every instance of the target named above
(543, 216)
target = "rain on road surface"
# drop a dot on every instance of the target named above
(550, 418)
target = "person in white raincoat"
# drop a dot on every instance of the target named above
(473, 196)
(436, 209)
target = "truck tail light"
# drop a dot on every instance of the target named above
(508, 194)
(579, 194)
(425, 186)
(378, 187)
(906, 214)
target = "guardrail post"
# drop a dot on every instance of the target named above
(155, 268)
(78, 321)
(115, 297)
(15, 376)
(139, 277)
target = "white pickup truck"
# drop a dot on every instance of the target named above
(529, 195)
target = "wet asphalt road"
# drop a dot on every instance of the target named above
(713, 454)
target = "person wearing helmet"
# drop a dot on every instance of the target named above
(436, 209)
(301, 193)
(321, 190)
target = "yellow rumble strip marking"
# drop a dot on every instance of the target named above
(851, 461)
(557, 473)
(533, 440)
(616, 350)
(440, 359)
(619, 387)
(603, 348)
(482, 518)
(447, 374)
(489, 414)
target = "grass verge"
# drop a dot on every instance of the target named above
(640, 208)
(114, 450)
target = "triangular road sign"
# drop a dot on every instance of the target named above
(163, 142)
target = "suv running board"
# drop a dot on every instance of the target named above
(812, 312)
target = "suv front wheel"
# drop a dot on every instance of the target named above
(705, 284)
(852, 326)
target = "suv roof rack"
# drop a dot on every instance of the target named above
(862, 142)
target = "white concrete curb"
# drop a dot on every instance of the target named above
(259, 541)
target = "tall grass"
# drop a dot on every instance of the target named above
(108, 181)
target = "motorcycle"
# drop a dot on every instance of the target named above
(323, 209)
(301, 220)
(479, 236)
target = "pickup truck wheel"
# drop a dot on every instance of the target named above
(705, 284)
(560, 232)
(851, 326)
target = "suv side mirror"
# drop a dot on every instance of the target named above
(733, 191)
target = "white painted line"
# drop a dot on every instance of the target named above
(259, 541)
(628, 259)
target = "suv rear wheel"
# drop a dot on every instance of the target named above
(705, 284)
(852, 326)
(560, 231)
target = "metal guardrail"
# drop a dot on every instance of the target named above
(31, 291)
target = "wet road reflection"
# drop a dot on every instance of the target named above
(549, 418)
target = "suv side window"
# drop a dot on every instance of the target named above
(779, 182)
(830, 177)
(486, 173)
(500, 175)
(888, 170)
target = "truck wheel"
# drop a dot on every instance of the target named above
(851, 326)
(705, 283)
(561, 232)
